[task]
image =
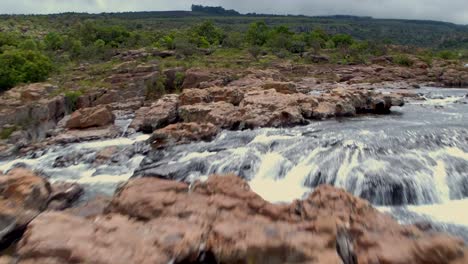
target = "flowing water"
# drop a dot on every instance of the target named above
(412, 163)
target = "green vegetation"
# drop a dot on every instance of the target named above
(23, 66)
(71, 98)
(34, 48)
(403, 60)
(5, 133)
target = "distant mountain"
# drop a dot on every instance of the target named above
(214, 10)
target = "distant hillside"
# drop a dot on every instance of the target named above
(419, 33)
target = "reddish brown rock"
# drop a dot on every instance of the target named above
(268, 108)
(23, 195)
(63, 195)
(281, 87)
(232, 95)
(35, 91)
(90, 117)
(156, 221)
(159, 114)
(110, 239)
(194, 77)
(221, 114)
(455, 77)
(183, 133)
(92, 208)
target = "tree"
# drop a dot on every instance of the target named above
(23, 66)
(210, 32)
(28, 44)
(257, 34)
(280, 38)
(53, 41)
(233, 40)
(342, 40)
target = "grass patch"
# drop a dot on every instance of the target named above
(403, 60)
(6, 132)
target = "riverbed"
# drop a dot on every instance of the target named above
(412, 163)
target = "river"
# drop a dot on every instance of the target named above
(412, 163)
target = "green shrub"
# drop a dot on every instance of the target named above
(297, 46)
(184, 46)
(447, 55)
(179, 80)
(209, 32)
(233, 40)
(156, 89)
(23, 66)
(342, 40)
(257, 34)
(255, 51)
(403, 60)
(53, 41)
(71, 97)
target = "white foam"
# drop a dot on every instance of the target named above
(282, 190)
(196, 155)
(452, 212)
(265, 139)
(440, 101)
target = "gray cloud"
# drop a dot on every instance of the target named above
(444, 10)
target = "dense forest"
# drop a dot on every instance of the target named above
(34, 46)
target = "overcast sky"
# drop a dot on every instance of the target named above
(445, 10)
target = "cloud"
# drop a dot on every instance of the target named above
(444, 10)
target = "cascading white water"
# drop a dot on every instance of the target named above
(416, 158)
(77, 162)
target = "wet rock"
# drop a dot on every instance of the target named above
(63, 195)
(73, 136)
(90, 117)
(23, 195)
(92, 208)
(74, 158)
(183, 133)
(105, 155)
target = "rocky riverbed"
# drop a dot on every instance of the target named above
(124, 173)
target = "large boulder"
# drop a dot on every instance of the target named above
(183, 133)
(221, 221)
(194, 77)
(91, 117)
(268, 108)
(454, 78)
(221, 114)
(159, 114)
(232, 95)
(24, 195)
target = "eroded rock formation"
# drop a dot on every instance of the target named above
(156, 221)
